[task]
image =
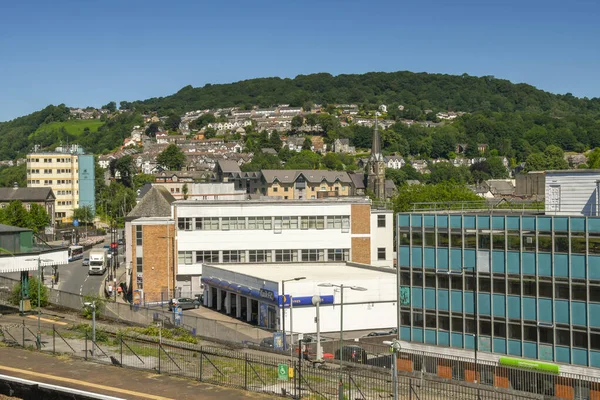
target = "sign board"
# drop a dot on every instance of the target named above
(278, 341)
(283, 372)
(49, 230)
(267, 294)
(529, 364)
(137, 297)
(304, 300)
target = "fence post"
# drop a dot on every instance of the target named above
(23, 334)
(409, 388)
(201, 362)
(295, 379)
(246, 371)
(86, 345)
(121, 350)
(159, 348)
(53, 339)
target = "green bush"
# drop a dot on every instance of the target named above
(15, 296)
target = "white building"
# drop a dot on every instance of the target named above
(573, 192)
(279, 231)
(255, 293)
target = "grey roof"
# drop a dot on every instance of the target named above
(344, 141)
(229, 166)
(9, 228)
(501, 187)
(27, 194)
(392, 158)
(358, 180)
(314, 176)
(156, 203)
(268, 150)
(390, 185)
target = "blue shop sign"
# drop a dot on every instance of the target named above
(304, 300)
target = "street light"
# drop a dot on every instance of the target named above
(283, 313)
(316, 300)
(342, 287)
(39, 297)
(394, 349)
(92, 305)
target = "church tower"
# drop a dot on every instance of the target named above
(376, 166)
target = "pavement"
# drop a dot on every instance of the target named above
(110, 380)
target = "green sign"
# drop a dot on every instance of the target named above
(528, 364)
(282, 372)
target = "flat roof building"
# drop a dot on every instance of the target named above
(255, 293)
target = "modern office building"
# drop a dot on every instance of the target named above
(525, 285)
(70, 174)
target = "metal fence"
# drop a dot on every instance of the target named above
(247, 370)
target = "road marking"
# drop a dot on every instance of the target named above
(47, 320)
(83, 383)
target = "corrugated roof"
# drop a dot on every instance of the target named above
(9, 228)
(26, 194)
(313, 176)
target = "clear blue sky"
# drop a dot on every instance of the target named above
(91, 52)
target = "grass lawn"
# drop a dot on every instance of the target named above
(73, 127)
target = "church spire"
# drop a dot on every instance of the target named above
(376, 145)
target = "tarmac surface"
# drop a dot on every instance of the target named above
(109, 380)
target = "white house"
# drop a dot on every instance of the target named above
(573, 192)
(394, 162)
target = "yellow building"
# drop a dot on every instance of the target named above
(305, 184)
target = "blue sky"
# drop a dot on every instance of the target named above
(91, 52)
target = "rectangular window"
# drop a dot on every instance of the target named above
(381, 253)
(257, 256)
(312, 255)
(499, 286)
(260, 223)
(234, 256)
(417, 238)
(513, 242)
(312, 222)
(562, 338)
(457, 282)
(335, 221)
(498, 241)
(457, 324)
(443, 282)
(430, 321)
(381, 221)
(484, 241)
(184, 257)
(138, 235)
(514, 287)
(530, 333)
(139, 267)
(529, 242)
(578, 245)
(211, 256)
(545, 242)
(286, 255)
(207, 224)
(561, 244)
(470, 239)
(184, 224)
(514, 331)
(338, 254)
(561, 291)
(578, 292)
(233, 223)
(456, 240)
(430, 239)
(545, 289)
(529, 288)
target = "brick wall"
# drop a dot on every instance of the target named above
(158, 260)
(360, 215)
(361, 250)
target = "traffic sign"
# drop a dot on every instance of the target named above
(282, 372)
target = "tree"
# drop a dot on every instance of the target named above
(185, 191)
(297, 121)
(262, 161)
(11, 175)
(124, 166)
(15, 214)
(37, 218)
(152, 129)
(446, 172)
(593, 158)
(111, 107)
(396, 175)
(15, 296)
(139, 180)
(125, 105)
(332, 162)
(442, 192)
(84, 214)
(307, 144)
(173, 121)
(172, 158)
(275, 141)
(305, 159)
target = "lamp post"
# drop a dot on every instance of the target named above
(342, 287)
(283, 311)
(39, 298)
(316, 300)
(394, 349)
(92, 305)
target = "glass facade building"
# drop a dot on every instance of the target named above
(535, 278)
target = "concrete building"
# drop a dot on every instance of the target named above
(534, 278)
(305, 184)
(70, 174)
(28, 196)
(254, 292)
(573, 192)
(531, 184)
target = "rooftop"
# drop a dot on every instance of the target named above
(273, 200)
(332, 272)
(497, 206)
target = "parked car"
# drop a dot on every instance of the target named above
(379, 333)
(86, 262)
(353, 354)
(267, 342)
(185, 303)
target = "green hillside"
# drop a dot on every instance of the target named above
(73, 127)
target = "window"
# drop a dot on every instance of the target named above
(484, 241)
(578, 245)
(286, 255)
(545, 242)
(380, 253)
(234, 256)
(499, 286)
(207, 256)
(312, 255)
(545, 289)
(275, 189)
(457, 282)
(430, 280)
(207, 224)
(500, 329)
(561, 291)
(184, 257)
(335, 221)
(312, 222)
(184, 224)
(139, 267)
(260, 223)
(338, 254)
(430, 321)
(443, 282)
(429, 239)
(457, 324)
(514, 331)
(562, 337)
(381, 221)
(578, 292)
(529, 288)
(289, 222)
(257, 256)
(498, 241)
(561, 244)
(233, 223)
(529, 242)
(138, 235)
(514, 287)
(594, 294)
(417, 238)
(546, 335)
(456, 240)
(485, 285)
